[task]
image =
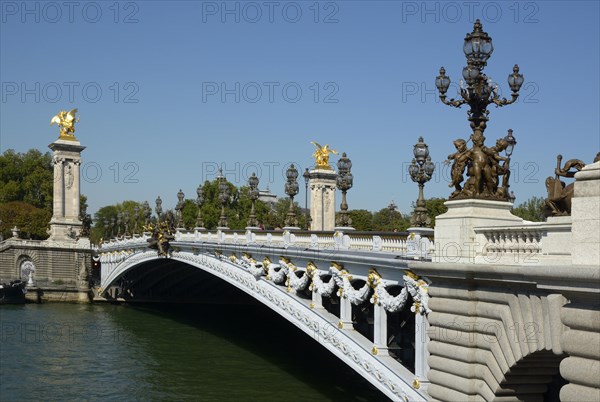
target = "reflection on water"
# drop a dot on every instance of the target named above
(173, 352)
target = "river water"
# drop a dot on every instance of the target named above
(78, 352)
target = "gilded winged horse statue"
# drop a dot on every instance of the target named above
(322, 156)
(66, 122)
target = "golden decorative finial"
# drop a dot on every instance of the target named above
(321, 156)
(66, 122)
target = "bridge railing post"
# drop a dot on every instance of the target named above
(421, 351)
(380, 331)
(345, 314)
(317, 299)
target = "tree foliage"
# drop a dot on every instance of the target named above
(32, 221)
(26, 186)
(435, 207)
(361, 219)
(530, 210)
(27, 177)
(389, 220)
(112, 220)
(237, 210)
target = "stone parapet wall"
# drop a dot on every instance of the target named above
(581, 341)
(67, 264)
(506, 333)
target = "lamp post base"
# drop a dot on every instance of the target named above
(421, 231)
(343, 228)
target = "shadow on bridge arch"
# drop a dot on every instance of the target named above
(189, 278)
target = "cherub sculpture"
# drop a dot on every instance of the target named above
(321, 156)
(483, 165)
(495, 170)
(66, 122)
(460, 157)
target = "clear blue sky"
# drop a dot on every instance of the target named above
(163, 120)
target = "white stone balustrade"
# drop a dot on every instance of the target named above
(382, 242)
(530, 243)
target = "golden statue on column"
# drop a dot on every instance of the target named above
(321, 156)
(66, 122)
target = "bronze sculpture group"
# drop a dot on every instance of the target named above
(483, 169)
(161, 234)
(560, 195)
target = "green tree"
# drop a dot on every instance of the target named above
(189, 212)
(27, 177)
(275, 218)
(530, 210)
(133, 217)
(388, 220)
(435, 207)
(361, 219)
(32, 221)
(26, 188)
(237, 209)
(86, 219)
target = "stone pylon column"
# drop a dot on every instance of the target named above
(65, 224)
(322, 199)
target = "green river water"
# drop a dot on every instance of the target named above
(85, 352)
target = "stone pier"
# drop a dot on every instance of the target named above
(322, 199)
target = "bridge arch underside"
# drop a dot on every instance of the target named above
(167, 280)
(204, 279)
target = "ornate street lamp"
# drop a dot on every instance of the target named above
(392, 207)
(158, 208)
(478, 92)
(126, 222)
(510, 147)
(147, 212)
(179, 208)
(344, 182)
(511, 143)
(136, 215)
(112, 227)
(420, 171)
(224, 195)
(253, 195)
(199, 202)
(306, 176)
(119, 216)
(291, 189)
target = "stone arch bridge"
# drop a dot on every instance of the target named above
(416, 322)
